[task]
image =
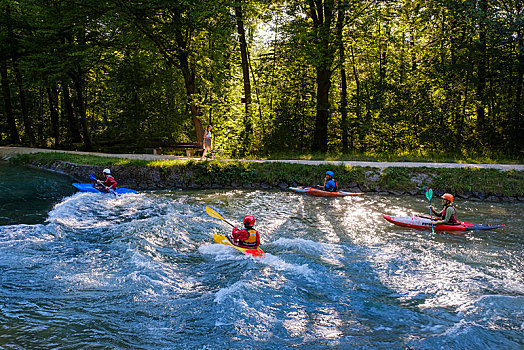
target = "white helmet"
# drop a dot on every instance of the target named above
(107, 171)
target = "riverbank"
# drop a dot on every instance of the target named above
(8, 152)
(472, 183)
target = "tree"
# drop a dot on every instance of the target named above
(245, 76)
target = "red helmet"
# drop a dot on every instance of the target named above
(448, 196)
(249, 220)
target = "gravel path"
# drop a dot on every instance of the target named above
(6, 152)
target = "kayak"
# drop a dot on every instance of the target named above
(88, 187)
(422, 223)
(321, 193)
(221, 239)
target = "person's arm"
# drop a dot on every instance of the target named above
(239, 235)
(436, 213)
(110, 183)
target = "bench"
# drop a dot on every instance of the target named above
(190, 147)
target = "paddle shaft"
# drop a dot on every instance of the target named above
(431, 216)
(213, 213)
(227, 222)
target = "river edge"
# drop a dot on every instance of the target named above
(465, 183)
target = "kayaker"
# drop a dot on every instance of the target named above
(109, 184)
(329, 183)
(449, 212)
(247, 237)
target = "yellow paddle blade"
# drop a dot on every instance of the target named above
(214, 214)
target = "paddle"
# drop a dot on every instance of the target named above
(211, 212)
(93, 177)
(429, 194)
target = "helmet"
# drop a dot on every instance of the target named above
(448, 196)
(330, 173)
(249, 220)
(107, 171)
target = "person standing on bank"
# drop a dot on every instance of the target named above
(208, 143)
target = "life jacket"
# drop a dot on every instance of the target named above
(336, 186)
(110, 182)
(252, 239)
(453, 219)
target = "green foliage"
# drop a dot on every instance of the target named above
(50, 157)
(469, 180)
(278, 174)
(424, 79)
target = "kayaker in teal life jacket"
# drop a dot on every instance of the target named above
(109, 184)
(247, 237)
(449, 212)
(329, 183)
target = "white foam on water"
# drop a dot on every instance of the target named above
(236, 311)
(330, 254)
(222, 252)
(158, 276)
(233, 291)
(15, 234)
(280, 265)
(86, 280)
(301, 244)
(434, 275)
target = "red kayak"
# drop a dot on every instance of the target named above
(422, 223)
(321, 193)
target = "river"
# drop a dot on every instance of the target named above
(84, 271)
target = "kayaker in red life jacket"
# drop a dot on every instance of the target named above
(109, 184)
(449, 212)
(247, 237)
(329, 183)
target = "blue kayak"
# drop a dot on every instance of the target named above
(90, 188)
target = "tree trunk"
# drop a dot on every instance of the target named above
(343, 80)
(52, 96)
(189, 81)
(248, 128)
(321, 124)
(357, 97)
(383, 59)
(78, 83)
(13, 131)
(12, 50)
(322, 15)
(344, 110)
(72, 121)
(517, 122)
(179, 50)
(28, 127)
(481, 68)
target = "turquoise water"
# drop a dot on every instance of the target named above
(27, 194)
(142, 272)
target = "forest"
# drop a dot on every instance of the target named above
(338, 76)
